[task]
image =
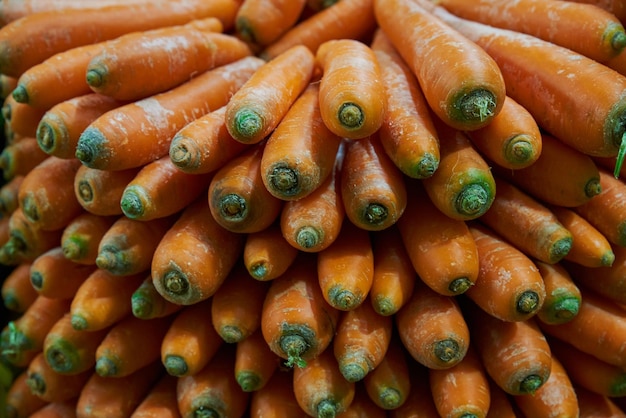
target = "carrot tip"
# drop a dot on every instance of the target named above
(91, 146)
(351, 116)
(473, 201)
(530, 384)
(36, 383)
(36, 279)
(519, 150)
(327, 408)
(528, 302)
(141, 307)
(593, 187)
(478, 105)
(231, 334)
(560, 249)
(448, 351)
(391, 398)
(175, 365)
(384, 306)
(202, 411)
(343, 299)
(607, 259)
(354, 371)
(258, 270)
(133, 202)
(460, 285)
(618, 41)
(284, 181)
(95, 77)
(294, 346)
(308, 237)
(84, 192)
(106, 367)
(566, 309)
(74, 248)
(175, 283)
(30, 207)
(247, 124)
(375, 214)
(11, 302)
(62, 357)
(426, 167)
(245, 30)
(20, 94)
(233, 207)
(248, 381)
(183, 153)
(79, 322)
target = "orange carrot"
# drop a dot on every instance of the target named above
(153, 121)
(146, 302)
(19, 158)
(7, 84)
(591, 404)
(276, 398)
(20, 119)
(55, 276)
(17, 291)
(345, 269)
(501, 405)
(432, 328)
(362, 406)
(298, 335)
(160, 401)
(300, 152)
(562, 294)
(419, 403)
(20, 400)
(255, 363)
(267, 254)
(191, 341)
(441, 249)
(99, 191)
(509, 285)
(82, 235)
(8, 195)
(186, 277)
(65, 409)
(472, 92)
(528, 224)
(261, 23)
(388, 384)
(257, 108)
(51, 386)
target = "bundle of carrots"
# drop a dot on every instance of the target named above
(381, 208)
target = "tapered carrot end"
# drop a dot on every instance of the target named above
(247, 126)
(50, 134)
(79, 322)
(133, 202)
(607, 259)
(593, 187)
(106, 367)
(350, 116)
(231, 334)
(74, 248)
(175, 365)
(36, 279)
(95, 76)
(327, 408)
(259, 270)
(20, 94)
(11, 302)
(530, 384)
(560, 248)
(184, 153)
(249, 382)
(354, 370)
(36, 383)
(30, 207)
(91, 147)
(390, 398)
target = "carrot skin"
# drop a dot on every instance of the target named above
(26, 241)
(81, 237)
(267, 254)
(388, 384)
(276, 398)
(255, 363)
(99, 191)
(160, 401)
(262, 23)
(563, 296)
(53, 275)
(19, 158)
(17, 291)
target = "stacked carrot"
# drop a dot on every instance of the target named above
(313, 208)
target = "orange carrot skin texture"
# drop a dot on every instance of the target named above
(20, 119)
(267, 254)
(521, 294)
(419, 403)
(563, 296)
(388, 385)
(362, 406)
(255, 363)
(17, 291)
(55, 276)
(99, 191)
(191, 341)
(18, 158)
(81, 237)
(257, 108)
(51, 386)
(276, 399)
(57, 410)
(593, 404)
(155, 120)
(20, 400)
(160, 401)
(8, 195)
(500, 405)
(27, 241)
(146, 302)
(468, 97)
(261, 23)
(352, 102)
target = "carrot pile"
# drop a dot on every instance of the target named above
(382, 208)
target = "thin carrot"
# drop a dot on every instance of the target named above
(276, 398)
(298, 335)
(191, 341)
(153, 121)
(82, 235)
(591, 404)
(55, 276)
(238, 200)
(320, 389)
(345, 269)
(407, 132)
(17, 291)
(51, 386)
(527, 223)
(237, 305)
(261, 23)
(441, 249)
(19, 158)
(300, 152)
(563, 296)
(146, 302)
(20, 119)
(362, 406)
(267, 254)
(257, 108)
(255, 363)
(361, 341)
(189, 276)
(160, 401)
(419, 403)
(8, 195)
(472, 92)
(20, 400)
(509, 285)
(99, 191)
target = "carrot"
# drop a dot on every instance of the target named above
(463, 186)
(7, 84)
(362, 405)
(55, 276)
(361, 341)
(112, 71)
(147, 303)
(462, 390)
(320, 389)
(187, 277)
(65, 409)
(118, 354)
(51, 386)
(407, 132)
(345, 269)
(255, 363)
(528, 224)
(326, 25)
(17, 291)
(591, 404)
(20, 400)
(472, 92)
(118, 397)
(267, 254)
(257, 108)
(501, 405)
(515, 354)
(82, 235)
(191, 341)
(298, 335)
(509, 285)
(276, 398)
(261, 23)
(60, 127)
(563, 296)
(394, 276)
(441, 249)
(103, 299)
(300, 152)
(8, 195)
(47, 193)
(19, 158)
(238, 200)
(433, 338)
(153, 121)
(99, 191)
(419, 402)
(160, 401)
(20, 119)
(213, 391)
(389, 384)
(313, 223)
(22, 42)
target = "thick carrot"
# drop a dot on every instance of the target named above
(19, 158)
(103, 299)
(261, 23)
(267, 254)
(527, 223)
(51, 386)
(238, 200)
(320, 389)
(361, 341)
(345, 269)
(20, 119)
(189, 276)
(351, 97)
(300, 152)
(441, 249)
(8, 195)
(60, 127)
(472, 92)
(563, 296)
(463, 186)
(191, 341)
(298, 335)
(591, 404)
(82, 235)
(462, 390)
(512, 140)
(255, 363)
(276, 398)
(407, 132)
(509, 285)
(55, 276)
(257, 108)
(17, 291)
(99, 191)
(160, 401)
(146, 302)
(20, 400)
(237, 305)
(419, 403)
(33, 38)
(153, 121)
(389, 383)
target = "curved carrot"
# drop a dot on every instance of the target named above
(55, 276)
(20, 400)
(17, 291)
(267, 254)
(99, 191)
(259, 105)
(82, 235)
(255, 363)
(27, 241)
(563, 296)
(261, 22)
(146, 302)
(51, 386)
(20, 157)
(276, 398)
(160, 401)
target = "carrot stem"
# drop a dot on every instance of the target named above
(351, 115)
(308, 237)
(248, 123)
(531, 383)
(326, 409)
(175, 365)
(233, 207)
(447, 350)
(176, 282)
(285, 180)
(618, 40)
(566, 308)
(478, 104)
(472, 199)
(528, 302)
(91, 145)
(294, 346)
(94, 76)
(132, 204)
(520, 149)
(375, 213)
